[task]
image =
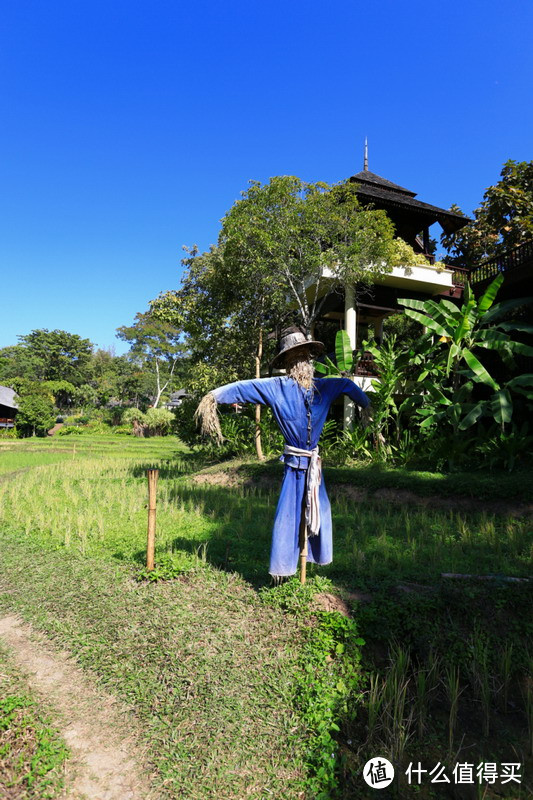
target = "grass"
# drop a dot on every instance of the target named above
(31, 751)
(208, 669)
(446, 665)
(479, 485)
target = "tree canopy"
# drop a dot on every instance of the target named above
(306, 240)
(282, 249)
(503, 221)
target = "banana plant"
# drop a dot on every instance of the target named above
(343, 356)
(451, 367)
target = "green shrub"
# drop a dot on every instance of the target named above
(70, 430)
(113, 416)
(184, 424)
(159, 421)
(122, 430)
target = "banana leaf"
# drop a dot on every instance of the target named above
(521, 327)
(519, 347)
(489, 295)
(492, 335)
(473, 415)
(450, 307)
(436, 394)
(503, 308)
(428, 322)
(520, 380)
(429, 420)
(479, 370)
(501, 406)
(465, 324)
(321, 368)
(343, 352)
(452, 353)
(463, 392)
(439, 312)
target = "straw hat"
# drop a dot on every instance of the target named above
(292, 340)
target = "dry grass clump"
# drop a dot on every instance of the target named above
(206, 417)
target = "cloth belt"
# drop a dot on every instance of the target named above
(314, 479)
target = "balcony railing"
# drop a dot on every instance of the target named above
(5, 422)
(366, 367)
(460, 275)
(519, 257)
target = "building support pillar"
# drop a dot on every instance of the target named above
(350, 326)
(378, 330)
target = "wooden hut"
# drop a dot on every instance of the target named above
(8, 407)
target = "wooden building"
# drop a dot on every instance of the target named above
(412, 219)
(356, 311)
(8, 407)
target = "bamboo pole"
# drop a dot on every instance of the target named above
(152, 475)
(303, 544)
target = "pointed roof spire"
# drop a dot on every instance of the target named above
(365, 163)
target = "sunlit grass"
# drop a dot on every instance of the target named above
(97, 507)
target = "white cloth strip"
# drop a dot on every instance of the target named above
(314, 479)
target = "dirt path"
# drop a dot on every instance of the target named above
(105, 759)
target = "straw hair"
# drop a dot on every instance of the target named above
(301, 369)
(206, 417)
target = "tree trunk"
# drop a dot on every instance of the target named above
(158, 390)
(257, 435)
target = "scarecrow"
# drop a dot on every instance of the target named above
(300, 403)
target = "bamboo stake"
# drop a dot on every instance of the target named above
(153, 475)
(303, 544)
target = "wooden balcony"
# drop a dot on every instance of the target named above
(6, 422)
(516, 265)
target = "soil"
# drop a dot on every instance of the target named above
(232, 479)
(99, 733)
(332, 602)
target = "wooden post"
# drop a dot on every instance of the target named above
(303, 544)
(350, 326)
(153, 475)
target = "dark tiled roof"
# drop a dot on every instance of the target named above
(365, 176)
(7, 397)
(386, 194)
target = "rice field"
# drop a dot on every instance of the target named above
(448, 663)
(97, 507)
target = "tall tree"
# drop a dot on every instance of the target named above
(307, 239)
(503, 221)
(283, 248)
(44, 355)
(223, 308)
(156, 346)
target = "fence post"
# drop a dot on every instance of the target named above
(153, 475)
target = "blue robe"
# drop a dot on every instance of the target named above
(300, 414)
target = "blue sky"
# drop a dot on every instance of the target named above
(129, 128)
